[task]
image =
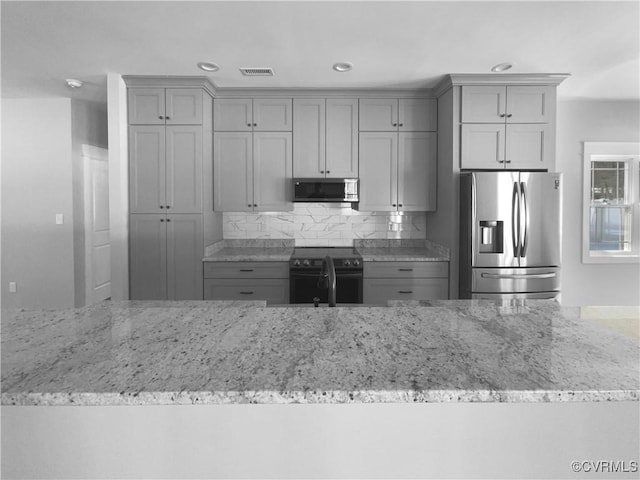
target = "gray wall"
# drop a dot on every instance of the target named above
(42, 176)
(592, 121)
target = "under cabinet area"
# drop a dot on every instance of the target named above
(510, 127)
(267, 281)
(385, 281)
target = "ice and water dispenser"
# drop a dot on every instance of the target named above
(491, 236)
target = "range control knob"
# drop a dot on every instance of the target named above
(305, 262)
(347, 262)
(356, 262)
(296, 263)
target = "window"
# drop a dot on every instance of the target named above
(611, 216)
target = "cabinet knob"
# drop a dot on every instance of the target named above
(509, 115)
(248, 124)
(328, 171)
(162, 219)
(255, 124)
(394, 124)
(161, 206)
(255, 204)
(321, 171)
(248, 205)
(401, 124)
(399, 204)
(167, 117)
(160, 117)
(168, 219)
(393, 205)
(507, 161)
(168, 207)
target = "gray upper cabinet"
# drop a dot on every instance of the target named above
(165, 106)
(165, 169)
(325, 137)
(257, 114)
(392, 114)
(507, 104)
(507, 127)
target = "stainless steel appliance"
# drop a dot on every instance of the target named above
(310, 275)
(510, 234)
(325, 190)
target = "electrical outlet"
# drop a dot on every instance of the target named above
(13, 287)
(59, 218)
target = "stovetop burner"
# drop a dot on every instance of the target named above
(311, 257)
(321, 252)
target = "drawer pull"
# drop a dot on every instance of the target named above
(246, 269)
(246, 293)
(405, 291)
(405, 269)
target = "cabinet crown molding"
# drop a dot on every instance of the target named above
(457, 79)
(170, 81)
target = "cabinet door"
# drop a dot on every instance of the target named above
(184, 106)
(342, 138)
(378, 171)
(483, 104)
(378, 114)
(272, 171)
(309, 137)
(233, 172)
(185, 250)
(148, 257)
(529, 146)
(232, 114)
(147, 169)
(184, 169)
(272, 115)
(417, 175)
(482, 146)
(146, 106)
(529, 104)
(417, 114)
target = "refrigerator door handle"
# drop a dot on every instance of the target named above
(524, 224)
(517, 276)
(515, 219)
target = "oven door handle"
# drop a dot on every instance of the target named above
(317, 275)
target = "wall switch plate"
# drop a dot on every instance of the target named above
(13, 287)
(59, 218)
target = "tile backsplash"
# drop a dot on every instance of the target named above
(324, 224)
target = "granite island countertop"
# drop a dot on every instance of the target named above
(205, 352)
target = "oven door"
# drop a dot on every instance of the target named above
(303, 287)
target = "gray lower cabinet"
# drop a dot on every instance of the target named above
(247, 281)
(385, 281)
(166, 256)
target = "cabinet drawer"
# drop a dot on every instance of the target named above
(406, 269)
(275, 291)
(248, 270)
(379, 290)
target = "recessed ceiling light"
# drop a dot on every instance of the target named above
(73, 83)
(342, 66)
(501, 67)
(208, 66)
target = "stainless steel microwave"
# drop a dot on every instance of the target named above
(325, 190)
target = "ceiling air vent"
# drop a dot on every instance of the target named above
(257, 72)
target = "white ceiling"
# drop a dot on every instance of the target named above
(391, 44)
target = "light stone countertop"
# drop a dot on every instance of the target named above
(401, 251)
(201, 352)
(250, 251)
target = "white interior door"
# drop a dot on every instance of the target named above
(96, 224)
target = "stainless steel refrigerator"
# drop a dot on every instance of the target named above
(510, 235)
